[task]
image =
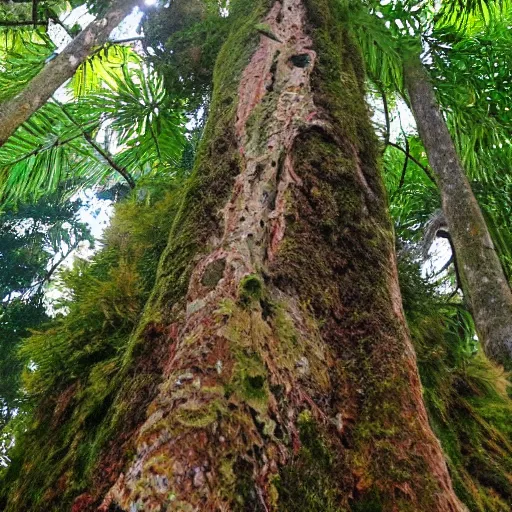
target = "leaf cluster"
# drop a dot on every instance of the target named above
(186, 38)
(32, 238)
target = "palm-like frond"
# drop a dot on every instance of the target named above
(101, 68)
(474, 84)
(147, 121)
(378, 45)
(45, 153)
(464, 14)
(22, 56)
(66, 145)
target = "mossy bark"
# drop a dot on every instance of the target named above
(483, 280)
(292, 382)
(287, 379)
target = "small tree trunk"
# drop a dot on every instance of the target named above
(483, 280)
(291, 383)
(14, 112)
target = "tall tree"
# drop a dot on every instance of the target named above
(277, 302)
(271, 367)
(15, 111)
(483, 279)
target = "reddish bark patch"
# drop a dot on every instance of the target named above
(83, 503)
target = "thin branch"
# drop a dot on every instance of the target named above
(446, 265)
(407, 149)
(54, 267)
(56, 144)
(116, 41)
(103, 152)
(385, 107)
(417, 162)
(155, 139)
(34, 13)
(57, 21)
(458, 279)
(406, 162)
(127, 40)
(442, 233)
(31, 23)
(38, 285)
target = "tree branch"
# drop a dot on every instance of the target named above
(58, 21)
(446, 266)
(54, 267)
(34, 13)
(57, 143)
(385, 107)
(23, 23)
(103, 152)
(125, 41)
(406, 162)
(39, 90)
(116, 41)
(417, 162)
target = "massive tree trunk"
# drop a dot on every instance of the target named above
(14, 112)
(483, 280)
(291, 382)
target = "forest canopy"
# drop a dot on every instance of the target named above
(302, 298)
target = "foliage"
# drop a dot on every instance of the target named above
(147, 120)
(104, 66)
(73, 366)
(22, 56)
(466, 396)
(33, 241)
(68, 145)
(70, 366)
(82, 138)
(186, 37)
(467, 58)
(17, 318)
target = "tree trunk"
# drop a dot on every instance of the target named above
(291, 382)
(483, 280)
(14, 112)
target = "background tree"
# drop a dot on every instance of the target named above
(479, 268)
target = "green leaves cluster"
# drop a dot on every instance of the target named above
(72, 366)
(466, 47)
(186, 37)
(34, 238)
(465, 395)
(115, 121)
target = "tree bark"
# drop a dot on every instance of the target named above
(14, 112)
(288, 379)
(291, 382)
(483, 280)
